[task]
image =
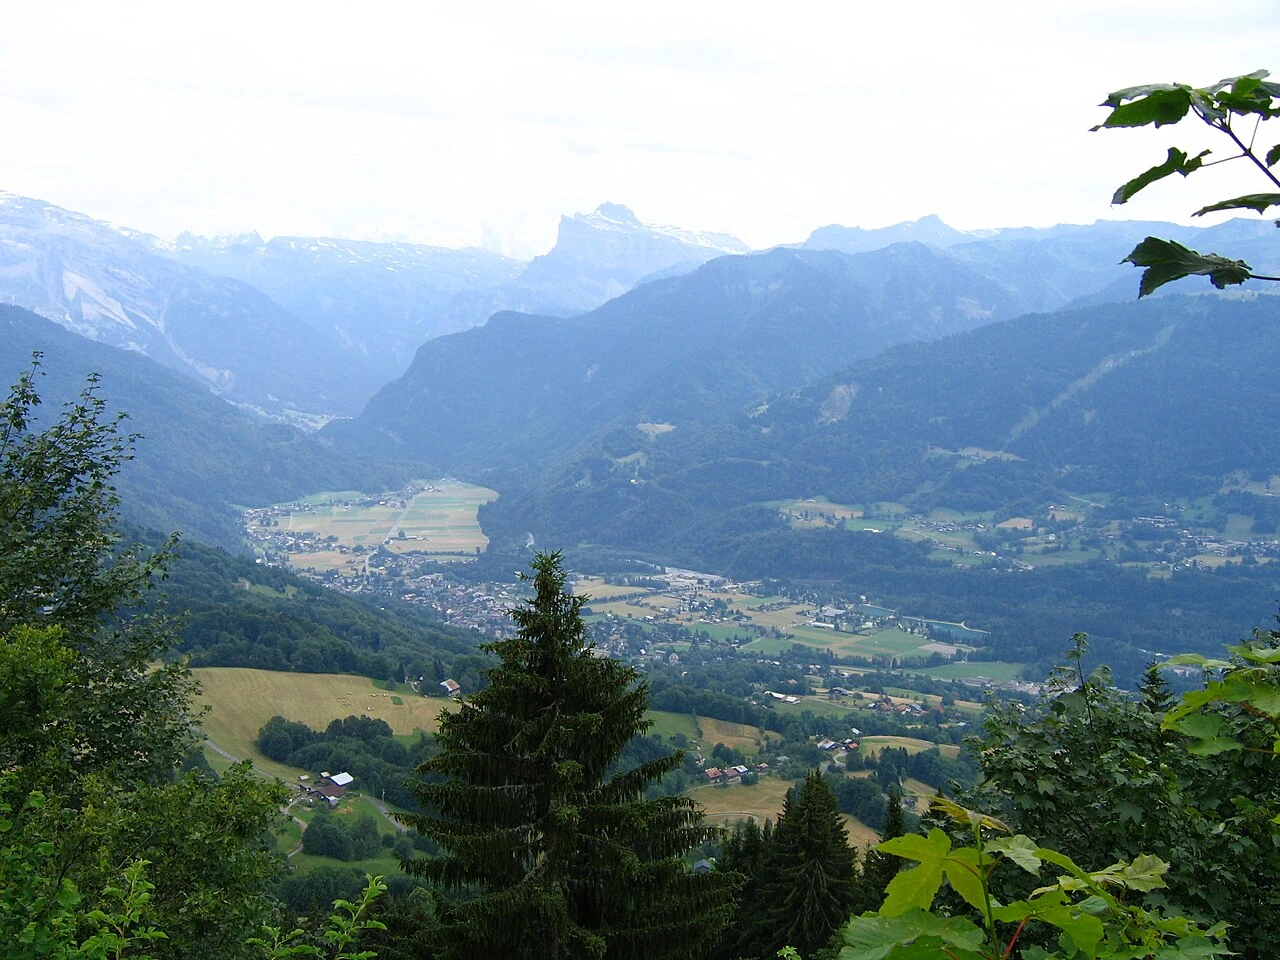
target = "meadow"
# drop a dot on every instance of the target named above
(762, 801)
(439, 521)
(241, 700)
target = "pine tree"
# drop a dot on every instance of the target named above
(806, 882)
(879, 868)
(1154, 689)
(555, 855)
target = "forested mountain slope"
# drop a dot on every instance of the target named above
(1142, 398)
(514, 394)
(197, 454)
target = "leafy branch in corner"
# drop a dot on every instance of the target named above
(1223, 106)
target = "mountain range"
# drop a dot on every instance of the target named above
(1166, 398)
(309, 325)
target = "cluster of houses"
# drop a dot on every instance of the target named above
(729, 775)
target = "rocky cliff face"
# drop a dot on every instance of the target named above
(122, 288)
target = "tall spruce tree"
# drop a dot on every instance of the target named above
(879, 868)
(807, 878)
(553, 853)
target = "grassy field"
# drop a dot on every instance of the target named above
(912, 745)
(241, 700)
(976, 668)
(440, 520)
(667, 724)
(739, 736)
(767, 645)
(762, 801)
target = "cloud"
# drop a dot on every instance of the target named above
(457, 123)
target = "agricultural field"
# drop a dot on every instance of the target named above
(911, 744)
(667, 724)
(439, 521)
(241, 700)
(739, 736)
(968, 669)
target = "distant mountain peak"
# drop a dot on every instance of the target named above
(227, 241)
(617, 211)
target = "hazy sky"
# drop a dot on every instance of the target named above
(479, 122)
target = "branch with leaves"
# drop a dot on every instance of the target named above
(1225, 106)
(1087, 910)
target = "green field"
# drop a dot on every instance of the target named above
(767, 645)
(439, 521)
(667, 724)
(242, 700)
(911, 744)
(965, 669)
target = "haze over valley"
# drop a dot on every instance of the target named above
(707, 483)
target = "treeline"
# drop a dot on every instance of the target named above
(241, 614)
(362, 746)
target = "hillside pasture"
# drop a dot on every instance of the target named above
(739, 736)
(242, 700)
(911, 744)
(667, 724)
(763, 801)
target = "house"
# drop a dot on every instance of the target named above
(450, 687)
(331, 787)
(713, 773)
(738, 770)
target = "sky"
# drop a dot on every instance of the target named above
(483, 123)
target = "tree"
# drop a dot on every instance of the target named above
(804, 879)
(94, 721)
(1084, 914)
(815, 882)
(1222, 106)
(1093, 773)
(879, 869)
(122, 711)
(555, 852)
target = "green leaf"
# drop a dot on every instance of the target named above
(1175, 162)
(914, 934)
(1145, 873)
(1020, 849)
(1163, 104)
(965, 876)
(1083, 930)
(1209, 748)
(1260, 202)
(1132, 93)
(912, 889)
(964, 815)
(1168, 260)
(912, 846)
(1273, 155)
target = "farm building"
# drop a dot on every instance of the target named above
(450, 687)
(331, 787)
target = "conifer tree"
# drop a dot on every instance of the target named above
(879, 868)
(806, 883)
(554, 855)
